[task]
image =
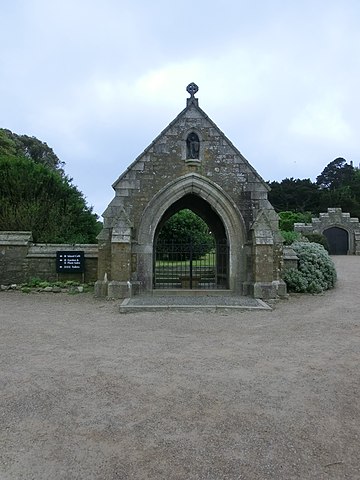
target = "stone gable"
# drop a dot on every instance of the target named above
(165, 160)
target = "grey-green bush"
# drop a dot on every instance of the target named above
(316, 271)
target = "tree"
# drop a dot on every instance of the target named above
(7, 145)
(294, 194)
(29, 147)
(336, 174)
(185, 228)
(287, 219)
(339, 185)
(342, 197)
(39, 199)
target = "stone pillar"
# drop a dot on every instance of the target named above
(104, 254)
(115, 259)
(266, 258)
(14, 247)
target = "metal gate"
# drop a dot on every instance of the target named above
(191, 266)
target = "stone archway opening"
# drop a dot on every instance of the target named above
(338, 240)
(191, 262)
(210, 202)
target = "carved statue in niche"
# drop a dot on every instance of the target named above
(192, 146)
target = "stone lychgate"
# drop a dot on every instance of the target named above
(191, 165)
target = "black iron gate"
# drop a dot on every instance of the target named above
(191, 266)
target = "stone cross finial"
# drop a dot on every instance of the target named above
(192, 88)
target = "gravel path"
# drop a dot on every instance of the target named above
(87, 393)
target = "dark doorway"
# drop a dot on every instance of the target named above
(189, 261)
(338, 240)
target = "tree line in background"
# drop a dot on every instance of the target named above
(295, 200)
(338, 185)
(37, 196)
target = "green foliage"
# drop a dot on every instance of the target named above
(26, 289)
(7, 145)
(290, 237)
(316, 271)
(336, 174)
(288, 218)
(38, 199)
(338, 185)
(344, 197)
(185, 227)
(295, 195)
(33, 282)
(317, 238)
(72, 287)
(30, 148)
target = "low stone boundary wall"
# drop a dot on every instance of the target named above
(290, 258)
(21, 259)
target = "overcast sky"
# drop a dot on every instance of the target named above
(99, 80)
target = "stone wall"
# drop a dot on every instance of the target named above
(334, 217)
(21, 259)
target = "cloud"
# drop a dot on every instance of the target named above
(98, 81)
(322, 120)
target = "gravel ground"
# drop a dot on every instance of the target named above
(87, 393)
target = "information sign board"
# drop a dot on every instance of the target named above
(70, 262)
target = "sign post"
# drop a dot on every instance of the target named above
(70, 262)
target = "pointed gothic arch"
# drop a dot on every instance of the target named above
(217, 201)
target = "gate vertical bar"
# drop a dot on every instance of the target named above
(191, 264)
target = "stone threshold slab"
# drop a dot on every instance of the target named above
(127, 306)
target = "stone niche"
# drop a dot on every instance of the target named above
(191, 164)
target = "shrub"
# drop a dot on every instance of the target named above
(288, 218)
(316, 271)
(33, 282)
(317, 238)
(290, 237)
(183, 229)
